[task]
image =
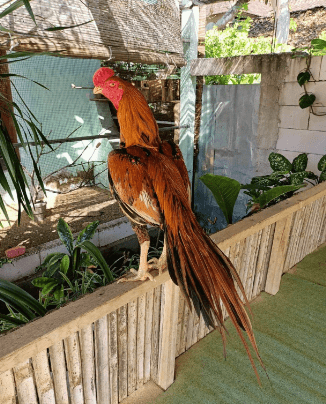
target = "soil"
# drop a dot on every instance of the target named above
(78, 208)
(310, 24)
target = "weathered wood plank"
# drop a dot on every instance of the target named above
(24, 378)
(185, 321)
(7, 388)
(72, 350)
(235, 65)
(113, 356)
(140, 340)
(54, 327)
(180, 324)
(253, 265)
(156, 333)
(102, 360)
(276, 264)
(267, 258)
(58, 367)
(261, 260)
(148, 335)
(123, 352)
(169, 320)
(43, 378)
(87, 352)
(132, 346)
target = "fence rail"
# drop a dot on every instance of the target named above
(104, 346)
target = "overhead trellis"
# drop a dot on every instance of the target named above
(139, 31)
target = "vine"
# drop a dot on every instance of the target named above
(317, 48)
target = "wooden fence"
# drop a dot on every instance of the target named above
(104, 346)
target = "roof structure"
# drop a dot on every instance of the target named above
(145, 31)
(258, 8)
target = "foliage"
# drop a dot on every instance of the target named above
(234, 41)
(265, 190)
(316, 48)
(21, 305)
(65, 269)
(26, 124)
(225, 191)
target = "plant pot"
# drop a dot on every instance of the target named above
(39, 211)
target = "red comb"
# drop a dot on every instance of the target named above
(101, 75)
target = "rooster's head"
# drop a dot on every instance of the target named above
(110, 86)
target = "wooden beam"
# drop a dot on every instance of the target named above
(189, 22)
(235, 65)
(168, 335)
(59, 324)
(277, 260)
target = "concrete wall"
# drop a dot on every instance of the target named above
(299, 130)
(282, 125)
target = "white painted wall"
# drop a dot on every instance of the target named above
(299, 130)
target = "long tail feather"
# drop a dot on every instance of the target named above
(195, 263)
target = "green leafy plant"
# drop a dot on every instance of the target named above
(235, 41)
(21, 305)
(266, 190)
(64, 269)
(26, 124)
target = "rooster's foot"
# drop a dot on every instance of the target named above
(158, 263)
(140, 275)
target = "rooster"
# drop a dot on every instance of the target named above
(149, 180)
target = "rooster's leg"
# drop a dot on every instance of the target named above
(160, 263)
(143, 271)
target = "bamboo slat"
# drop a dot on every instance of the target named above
(180, 324)
(123, 352)
(276, 264)
(74, 367)
(309, 227)
(43, 378)
(253, 265)
(87, 352)
(322, 229)
(294, 240)
(261, 261)
(148, 335)
(155, 333)
(296, 252)
(113, 355)
(190, 326)
(183, 336)
(313, 236)
(140, 340)
(304, 232)
(168, 334)
(7, 388)
(24, 378)
(102, 360)
(132, 346)
(58, 367)
(268, 257)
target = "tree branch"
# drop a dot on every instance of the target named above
(229, 16)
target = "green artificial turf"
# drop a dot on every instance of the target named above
(290, 330)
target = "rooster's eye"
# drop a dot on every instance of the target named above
(112, 84)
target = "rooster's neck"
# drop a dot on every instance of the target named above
(137, 123)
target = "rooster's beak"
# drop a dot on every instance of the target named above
(97, 90)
